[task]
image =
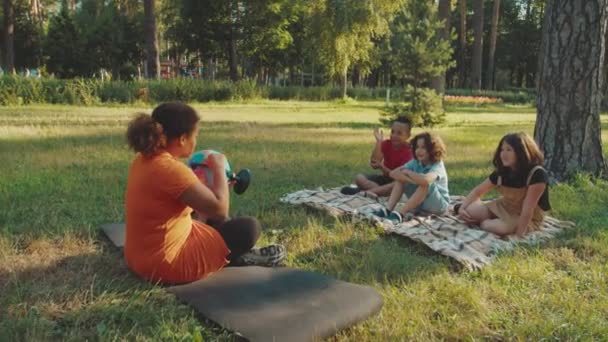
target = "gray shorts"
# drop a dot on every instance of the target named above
(379, 179)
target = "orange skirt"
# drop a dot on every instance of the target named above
(203, 253)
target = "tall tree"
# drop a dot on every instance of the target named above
(419, 51)
(346, 29)
(444, 13)
(9, 35)
(63, 45)
(462, 59)
(493, 36)
(478, 44)
(152, 55)
(570, 83)
(29, 36)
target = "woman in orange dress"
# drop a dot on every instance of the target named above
(163, 243)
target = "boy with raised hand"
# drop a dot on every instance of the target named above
(387, 155)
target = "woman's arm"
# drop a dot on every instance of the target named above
(535, 191)
(213, 202)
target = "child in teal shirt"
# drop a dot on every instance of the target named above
(424, 180)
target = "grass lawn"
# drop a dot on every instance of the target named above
(63, 172)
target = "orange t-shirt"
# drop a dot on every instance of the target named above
(163, 243)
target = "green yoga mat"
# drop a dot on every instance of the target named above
(274, 304)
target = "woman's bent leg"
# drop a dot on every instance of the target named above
(240, 235)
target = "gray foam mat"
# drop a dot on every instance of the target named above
(115, 232)
(279, 304)
(273, 304)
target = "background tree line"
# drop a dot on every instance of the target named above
(488, 44)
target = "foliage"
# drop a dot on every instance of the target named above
(29, 37)
(346, 29)
(20, 90)
(519, 95)
(64, 46)
(422, 106)
(474, 100)
(419, 53)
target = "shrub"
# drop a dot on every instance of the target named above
(422, 106)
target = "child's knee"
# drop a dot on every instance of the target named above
(485, 224)
(424, 188)
(360, 178)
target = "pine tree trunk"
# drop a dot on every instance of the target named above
(232, 59)
(9, 36)
(570, 86)
(152, 57)
(493, 36)
(478, 45)
(462, 59)
(438, 83)
(343, 82)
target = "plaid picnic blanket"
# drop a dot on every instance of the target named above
(446, 234)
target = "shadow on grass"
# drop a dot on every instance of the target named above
(93, 296)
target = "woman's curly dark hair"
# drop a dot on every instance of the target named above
(148, 134)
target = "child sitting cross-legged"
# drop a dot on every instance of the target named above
(424, 180)
(387, 155)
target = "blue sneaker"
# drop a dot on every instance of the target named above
(395, 217)
(383, 213)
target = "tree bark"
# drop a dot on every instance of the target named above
(152, 56)
(569, 91)
(232, 57)
(438, 83)
(493, 36)
(344, 82)
(9, 36)
(462, 59)
(478, 45)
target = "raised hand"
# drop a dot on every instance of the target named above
(378, 134)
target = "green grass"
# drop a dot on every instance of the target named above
(63, 173)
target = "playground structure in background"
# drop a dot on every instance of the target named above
(170, 69)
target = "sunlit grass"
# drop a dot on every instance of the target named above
(63, 172)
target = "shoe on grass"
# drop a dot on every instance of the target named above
(270, 255)
(350, 190)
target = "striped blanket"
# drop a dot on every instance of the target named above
(446, 234)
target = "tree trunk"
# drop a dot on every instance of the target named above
(343, 82)
(9, 36)
(462, 59)
(478, 46)
(569, 91)
(438, 83)
(232, 60)
(493, 36)
(152, 57)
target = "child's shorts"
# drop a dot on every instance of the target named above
(434, 203)
(379, 179)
